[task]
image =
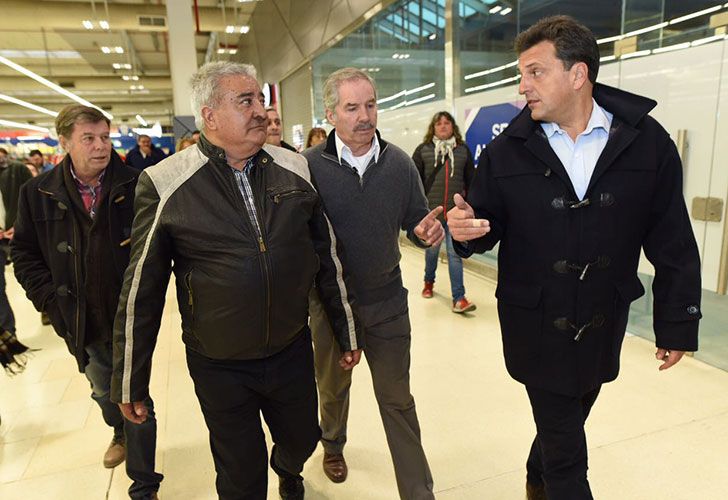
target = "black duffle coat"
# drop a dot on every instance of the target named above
(50, 255)
(567, 268)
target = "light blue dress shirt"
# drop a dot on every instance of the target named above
(579, 158)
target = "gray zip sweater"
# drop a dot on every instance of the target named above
(368, 213)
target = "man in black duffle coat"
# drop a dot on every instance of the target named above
(578, 183)
(70, 250)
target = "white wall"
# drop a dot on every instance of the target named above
(691, 88)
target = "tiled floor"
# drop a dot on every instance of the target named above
(652, 435)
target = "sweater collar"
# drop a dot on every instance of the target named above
(332, 149)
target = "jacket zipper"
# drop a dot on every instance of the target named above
(266, 269)
(258, 230)
(282, 196)
(352, 169)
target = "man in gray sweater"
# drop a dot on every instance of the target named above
(371, 190)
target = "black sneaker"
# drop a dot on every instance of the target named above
(290, 487)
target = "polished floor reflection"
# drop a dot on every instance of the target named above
(651, 434)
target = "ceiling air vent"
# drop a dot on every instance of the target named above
(152, 21)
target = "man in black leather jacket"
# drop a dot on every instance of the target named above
(249, 238)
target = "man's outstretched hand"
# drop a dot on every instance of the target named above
(462, 223)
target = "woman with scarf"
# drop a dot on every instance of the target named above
(446, 167)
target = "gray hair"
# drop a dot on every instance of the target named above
(334, 81)
(205, 83)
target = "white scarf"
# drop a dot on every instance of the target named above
(444, 150)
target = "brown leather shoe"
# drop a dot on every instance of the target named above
(535, 491)
(335, 467)
(115, 453)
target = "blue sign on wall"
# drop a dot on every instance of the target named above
(483, 124)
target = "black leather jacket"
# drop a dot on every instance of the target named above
(242, 295)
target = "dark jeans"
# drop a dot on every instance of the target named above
(454, 265)
(141, 439)
(233, 394)
(558, 457)
(7, 318)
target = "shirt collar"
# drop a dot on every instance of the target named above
(82, 184)
(249, 164)
(600, 118)
(342, 148)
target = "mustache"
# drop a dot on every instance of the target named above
(363, 126)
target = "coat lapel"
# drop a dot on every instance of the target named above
(621, 135)
(538, 145)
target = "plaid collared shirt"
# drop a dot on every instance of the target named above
(89, 194)
(242, 177)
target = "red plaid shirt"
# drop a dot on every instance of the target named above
(89, 194)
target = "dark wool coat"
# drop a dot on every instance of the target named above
(135, 159)
(567, 269)
(48, 251)
(447, 181)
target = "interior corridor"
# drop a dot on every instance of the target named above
(651, 434)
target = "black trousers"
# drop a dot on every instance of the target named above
(233, 394)
(558, 457)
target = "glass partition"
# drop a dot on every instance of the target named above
(402, 47)
(486, 30)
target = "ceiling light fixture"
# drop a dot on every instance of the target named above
(237, 29)
(695, 14)
(28, 105)
(141, 121)
(109, 50)
(121, 66)
(670, 48)
(11, 124)
(51, 85)
(494, 84)
(87, 24)
(492, 70)
(703, 41)
(104, 25)
(639, 53)
(506, 11)
(496, 9)
(661, 25)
